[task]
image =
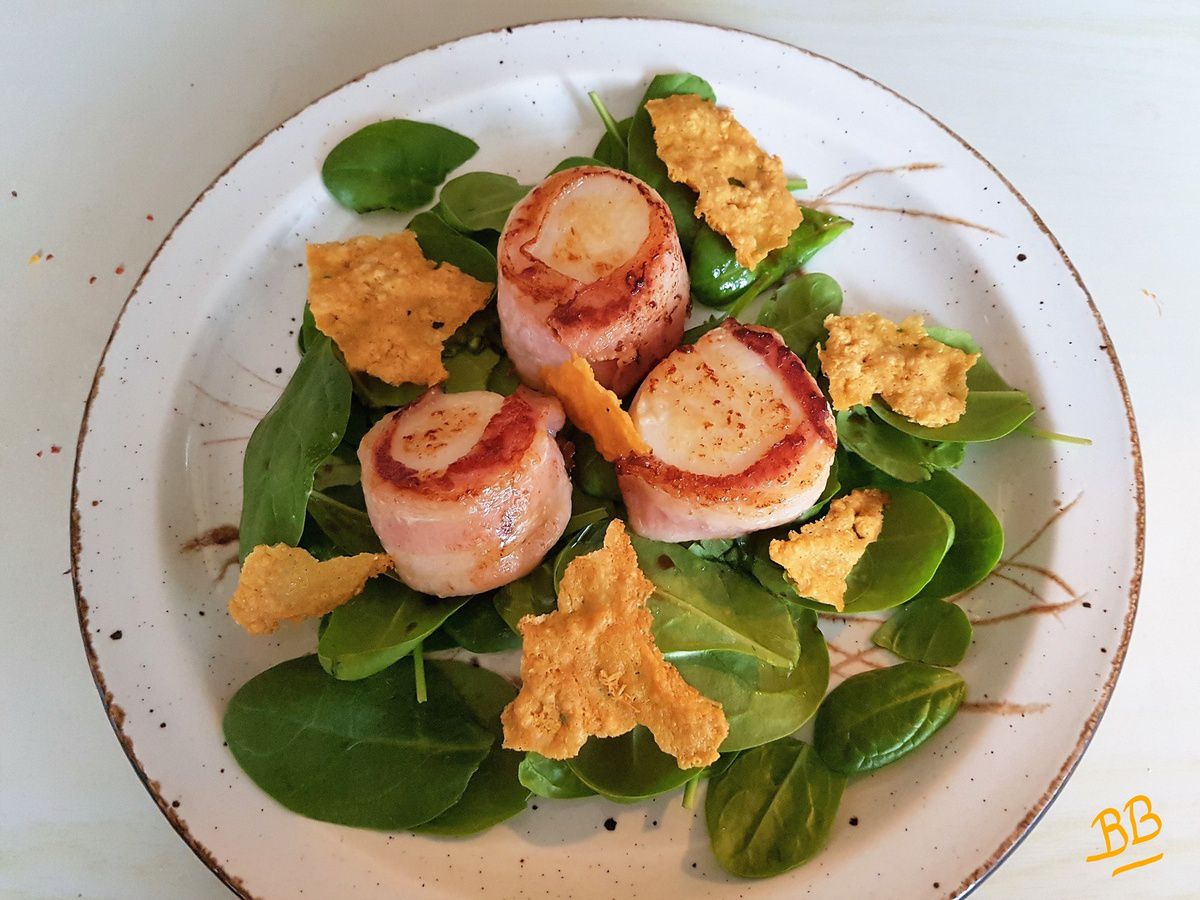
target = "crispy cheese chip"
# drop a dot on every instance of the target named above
(594, 408)
(743, 190)
(819, 559)
(920, 378)
(592, 668)
(387, 307)
(281, 583)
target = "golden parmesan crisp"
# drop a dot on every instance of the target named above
(594, 408)
(281, 583)
(387, 307)
(819, 559)
(743, 190)
(592, 668)
(920, 378)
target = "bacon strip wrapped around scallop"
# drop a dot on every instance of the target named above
(741, 439)
(466, 491)
(590, 264)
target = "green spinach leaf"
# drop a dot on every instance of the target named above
(477, 627)
(593, 473)
(927, 631)
(874, 718)
(395, 164)
(293, 439)
(612, 152)
(479, 201)
(628, 767)
(978, 537)
(349, 528)
(798, 310)
(532, 595)
(494, 792)
(772, 810)
(893, 452)
(365, 753)
(378, 627)
(760, 701)
(442, 244)
(551, 778)
(469, 371)
(587, 510)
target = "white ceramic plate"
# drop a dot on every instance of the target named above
(206, 342)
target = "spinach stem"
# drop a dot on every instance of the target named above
(797, 184)
(418, 656)
(740, 304)
(689, 791)
(1055, 436)
(610, 124)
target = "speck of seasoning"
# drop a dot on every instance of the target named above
(162, 724)
(854, 821)
(278, 370)
(1103, 649)
(95, 503)
(937, 884)
(174, 804)
(149, 217)
(437, 326)
(117, 635)
(92, 280)
(54, 448)
(534, 806)
(610, 824)
(14, 193)
(49, 256)
(1086, 605)
(665, 562)
(39, 454)
(1021, 257)
(120, 270)
(35, 258)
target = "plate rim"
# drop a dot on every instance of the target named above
(116, 715)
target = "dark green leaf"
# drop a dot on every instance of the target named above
(874, 718)
(532, 595)
(643, 159)
(479, 201)
(893, 452)
(915, 537)
(629, 767)
(503, 379)
(978, 537)
(593, 473)
(365, 753)
(378, 394)
(587, 510)
(551, 778)
(349, 528)
(442, 244)
(713, 270)
(494, 792)
(339, 469)
(699, 330)
(761, 702)
(477, 627)
(798, 310)
(380, 626)
(927, 631)
(308, 330)
(772, 810)
(293, 439)
(469, 371)
(395, 164)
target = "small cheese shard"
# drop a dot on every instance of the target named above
(594, 408)
(743, 190)
(819, 559)
(387, 307)
(919, 378)
(592, 668)
(281, 583)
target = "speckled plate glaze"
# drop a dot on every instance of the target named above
(207, 340)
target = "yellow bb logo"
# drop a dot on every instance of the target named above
(1144, 825)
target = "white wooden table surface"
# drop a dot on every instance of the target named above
(114, 116)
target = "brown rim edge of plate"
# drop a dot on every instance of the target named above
(116, 715)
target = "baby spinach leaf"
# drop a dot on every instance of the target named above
(469, 371)
(395, 164)
(993, 408)
(503, 379)
(340, 468)
(587, 510)
(379, 626)
(927, 631)
(643, 152)
(699, 604)
(978, 537)
(364, 753)
(915, 537)
(612, 152)
(442, 244)
(772, 810)
(593, 473)
(574, 162)
(292, 440)
(893, 452)
(378, 394)
(798, 310)
(874, 718)
(479, 201)
(494, 792)
(308, 330)
(700, 329)
(476, 626)
(532, 595)
(551, 778)
(713, 270)
(346, 526)
(628, 767)
(760, 701)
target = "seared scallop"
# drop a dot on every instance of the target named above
(590, 264)
(468, 491)
(741, 439)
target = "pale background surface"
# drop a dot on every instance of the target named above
(111, 113)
